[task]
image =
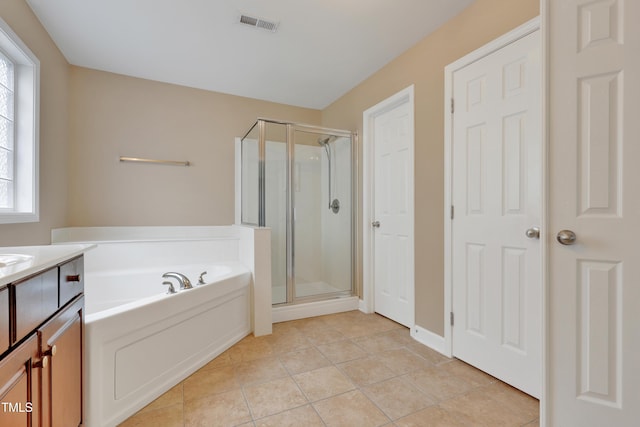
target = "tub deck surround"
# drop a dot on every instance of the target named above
(140, 341)
(248, 245)
(138, 234)
(36, 258)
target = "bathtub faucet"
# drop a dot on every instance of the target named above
(183, 280)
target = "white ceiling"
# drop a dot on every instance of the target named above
(322, 49)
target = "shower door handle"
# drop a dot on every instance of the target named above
(375, 224)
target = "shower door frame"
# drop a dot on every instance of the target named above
(291, 128)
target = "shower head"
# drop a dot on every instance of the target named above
(326, 140)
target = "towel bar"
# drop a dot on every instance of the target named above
(162, 162)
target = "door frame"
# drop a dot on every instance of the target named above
(368, 207)
(535, 24)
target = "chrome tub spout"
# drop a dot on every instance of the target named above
(183, 280)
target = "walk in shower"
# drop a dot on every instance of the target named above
(299, 180)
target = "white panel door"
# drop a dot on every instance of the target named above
(496, 195)
(393, 211)
(594, 191)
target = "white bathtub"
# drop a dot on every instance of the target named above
(139, 349)
(140, 341)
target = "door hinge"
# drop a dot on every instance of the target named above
(452, 106)
(451, 317)
(452, 211)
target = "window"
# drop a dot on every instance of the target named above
(19, 107)
(7, 180)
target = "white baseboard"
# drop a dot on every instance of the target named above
(312, 309)
(364, 307)
(431, 340)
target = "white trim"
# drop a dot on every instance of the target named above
(544, 217)
(494, 45)
(368, 118)
(317, 308)
(363, 307)
(448, 172)
(502, 41)
(431, 340)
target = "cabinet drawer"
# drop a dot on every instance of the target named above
(4, 320)
(71, 280)
(36, 300)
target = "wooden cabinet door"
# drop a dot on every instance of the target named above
(61, 338)
(19, 386)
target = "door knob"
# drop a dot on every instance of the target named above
(566, 237)
(375, 224)
(533, 233)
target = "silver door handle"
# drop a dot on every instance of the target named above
(566, 237)
(533, 233)
(375, 224)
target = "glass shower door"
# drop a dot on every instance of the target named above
(298, 181)
(322, 219)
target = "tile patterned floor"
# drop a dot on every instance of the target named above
(349, 369)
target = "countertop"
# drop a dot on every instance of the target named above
(39, 258)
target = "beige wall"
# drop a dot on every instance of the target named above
(114, 115)
(54, 119)
(90, 118)
(423, 65)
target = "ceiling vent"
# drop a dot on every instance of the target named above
(259, 23)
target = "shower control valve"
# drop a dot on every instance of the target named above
(335, 206)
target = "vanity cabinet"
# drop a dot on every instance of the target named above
(41, 372)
